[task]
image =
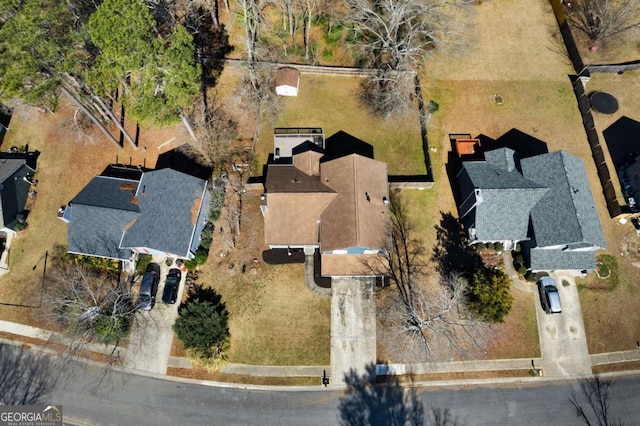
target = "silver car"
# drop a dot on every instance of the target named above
(549, 296)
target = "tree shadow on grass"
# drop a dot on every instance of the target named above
(452, 252)
(368, 403)
(205, 295)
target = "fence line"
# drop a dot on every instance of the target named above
(614, 68)
(317, 69)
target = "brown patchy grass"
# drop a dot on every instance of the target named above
(203, 374)
(623, 48)
(517, 337)
(502, 40)
(29, 342)
(618, 366)
(275, 319)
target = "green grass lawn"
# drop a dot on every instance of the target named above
(332, 103)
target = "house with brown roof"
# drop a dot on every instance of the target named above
(338, 206)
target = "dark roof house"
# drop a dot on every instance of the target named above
(16, 175)
(543, 201)
(162, 212)
(339, 206)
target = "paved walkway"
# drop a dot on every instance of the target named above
(515, 277)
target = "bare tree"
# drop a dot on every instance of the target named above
(253, 19)
(89, 304)
(593, 403)
(394, 35)
(431, 321)
(603, 20)
(216, 132)
(389, 93)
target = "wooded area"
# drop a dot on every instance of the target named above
(160, 60)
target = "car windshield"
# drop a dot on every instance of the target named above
(552, 289)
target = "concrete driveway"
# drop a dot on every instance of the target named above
(353, 326)
(151, 334)
(563, 343)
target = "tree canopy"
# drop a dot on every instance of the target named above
(159, 77)
(202, 324)
(489, 294)
(115, 47)
(36, 45)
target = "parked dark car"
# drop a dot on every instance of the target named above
(549, 296)
(149, 287)
(171, 286)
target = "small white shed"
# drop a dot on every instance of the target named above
(287, 81)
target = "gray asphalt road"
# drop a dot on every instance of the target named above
(91, 397)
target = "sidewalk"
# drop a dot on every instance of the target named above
(318, 371)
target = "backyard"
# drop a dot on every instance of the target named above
(605, 303)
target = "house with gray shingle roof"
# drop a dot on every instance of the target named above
(543, 202)
(16, 177)
(161, 212)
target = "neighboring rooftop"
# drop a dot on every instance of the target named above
(543, 200)
(162, 211)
